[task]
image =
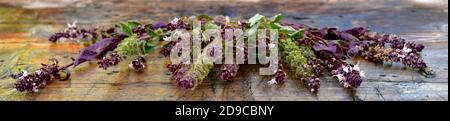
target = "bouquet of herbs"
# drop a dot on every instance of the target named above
(306, 52)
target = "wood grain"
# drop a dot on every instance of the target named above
(23, 45)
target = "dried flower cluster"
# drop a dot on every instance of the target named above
(278, 77)
(138, 63)
(107, 62)
(32, 82)
(72, 32)
(228, 71)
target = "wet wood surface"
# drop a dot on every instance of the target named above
(25, 25)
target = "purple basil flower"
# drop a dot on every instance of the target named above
(186, 83)
(138, 63)
(278, 77)
(32, 82)
(228, 71)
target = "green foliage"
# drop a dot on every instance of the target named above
(210, 25)
(259, 21)
(203, 65)
(253, 29)
(155, 35)
(128, 47)
(133, 24)
(125, 28)
(147, 47)
(204, 17)
(256, 19)
(277, 18)
(255, 22)
(295, 57)
(286, 30)
(297, 34)
(133, 46)
(201, 68)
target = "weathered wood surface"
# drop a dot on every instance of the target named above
(25, 24)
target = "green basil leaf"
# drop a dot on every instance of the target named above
(204, 17)
(255, 19)
(252, 31)
(298, 34)
(125, 28)
(133, 24)
(277, 18)
(211, 25)
(150, 32)
(147, 47)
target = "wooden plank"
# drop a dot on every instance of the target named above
(24, 46)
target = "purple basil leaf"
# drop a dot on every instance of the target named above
(347, 37)
(98, 49)
(321, 47)
(158, 25)
(296, 26)
(357, 31)
(330, 33)
(316, 32)
(352, 50)
(334, 48)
